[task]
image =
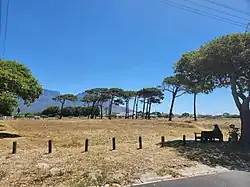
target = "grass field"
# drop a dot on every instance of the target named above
(68, 165)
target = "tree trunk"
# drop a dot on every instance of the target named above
(110, 107)
(171, 107)
(245, 121)
(61, 115)
(92, 110)
(101, 111)
(146, 116)
(134, 108)
(127, 105)
(195, 95)
(149, 110)
(143, 108)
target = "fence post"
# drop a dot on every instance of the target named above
(184, 140)
(140, 142)
(14, 148)
(113, 143)
(50, 146)
(162, 141)
(86, 145)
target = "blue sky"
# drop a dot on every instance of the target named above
(71, 46)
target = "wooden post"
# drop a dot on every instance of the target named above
(113, 143)
(14, 148)
(162, 141)
(140, 142)
(184, 140)
(50, 146)
(86, 145)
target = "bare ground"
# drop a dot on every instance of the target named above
(68, 165)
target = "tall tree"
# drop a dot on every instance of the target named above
(174, 85)
(115, 95)
(192, 82)
(62, 99)
(221, 62)
(16, 81)
(135, 104)
(103, 97)
(93, 97)
(127, 96)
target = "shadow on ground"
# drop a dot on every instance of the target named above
(230, 155)
(8, 135)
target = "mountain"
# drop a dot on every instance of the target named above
(45, 100)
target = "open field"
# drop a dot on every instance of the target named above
(68, 165)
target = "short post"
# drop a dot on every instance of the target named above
(14, 148)
(140, 142)
(113, 143)
(50, 146)
(86, 145)
(162, 141)
(184, 140)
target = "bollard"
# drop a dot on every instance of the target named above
(50, 146)
(162, 141)
(140, 142)
(113, 143)
(86, 145)
(14, 148)
(184, 140)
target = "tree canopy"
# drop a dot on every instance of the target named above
(224, 62)
(16, 81)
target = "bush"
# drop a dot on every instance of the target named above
(44, 116)
(185, 115)
(30, 116)
(18, 116)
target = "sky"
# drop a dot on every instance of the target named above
(74, 45)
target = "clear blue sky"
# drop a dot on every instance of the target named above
(71, 46)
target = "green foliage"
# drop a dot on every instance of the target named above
(70, 111)
(7, 104)
(17, 80)
(192, 81)
(217, 62)
(66, 97)
(186, 115)
(18, 116)
(51, 111)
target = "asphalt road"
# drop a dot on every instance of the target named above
(230, 179)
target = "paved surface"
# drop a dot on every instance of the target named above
(230, 179)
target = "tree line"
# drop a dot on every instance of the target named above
(97, 97)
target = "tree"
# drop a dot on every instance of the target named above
(115, 95)
(103, 97)
(127, 96)
(224, 62)
(7, 104)
(51, 111)
(174, 85)
(62, 99)
(151, 96)
(92, 96)
(192, 82)
(135, 105)
(16, 81)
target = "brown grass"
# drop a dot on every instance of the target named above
(68, 165)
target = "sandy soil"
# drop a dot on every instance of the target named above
(68, 165)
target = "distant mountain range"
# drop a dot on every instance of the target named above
(45, 100)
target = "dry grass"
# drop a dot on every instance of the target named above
(69, 166)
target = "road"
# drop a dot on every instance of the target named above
(230, 179)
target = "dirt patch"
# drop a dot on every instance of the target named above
(68, 165)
